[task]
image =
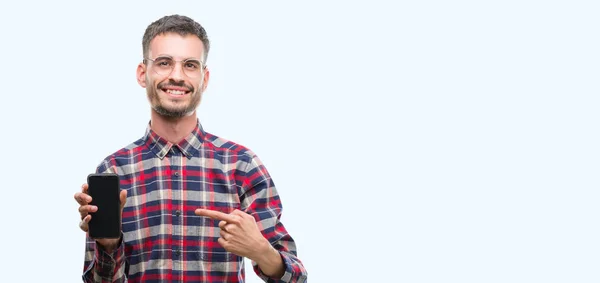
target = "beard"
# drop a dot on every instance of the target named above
(174, 111)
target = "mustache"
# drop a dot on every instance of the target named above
(176, 84)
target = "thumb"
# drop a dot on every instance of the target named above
(123, 198)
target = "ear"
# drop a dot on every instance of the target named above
(205, 80)
(141, 74)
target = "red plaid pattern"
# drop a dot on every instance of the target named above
(163, 240)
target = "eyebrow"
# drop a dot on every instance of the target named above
(171, 57)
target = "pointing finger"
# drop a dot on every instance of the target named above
(217, 215)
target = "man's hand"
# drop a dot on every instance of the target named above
(83, 199)
(241, 236)
(239, 232)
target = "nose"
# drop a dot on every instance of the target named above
(177, 72)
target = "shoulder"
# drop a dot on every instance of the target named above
(227, 147)
(124, 155)
(246, 162)
(230, 152)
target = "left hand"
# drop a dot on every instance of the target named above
(239, 233)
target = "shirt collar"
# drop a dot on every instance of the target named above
(189, 146)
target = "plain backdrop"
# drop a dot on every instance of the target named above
(412, 141)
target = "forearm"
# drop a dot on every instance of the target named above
(260, 199)
(279, 264)
(108, 246)
(270, 263)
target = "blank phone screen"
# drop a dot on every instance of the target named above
(106, 221)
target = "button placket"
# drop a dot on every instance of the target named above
(177, 221)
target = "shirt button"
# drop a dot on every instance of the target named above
(176, 173)
(177, 252)
(177, 212)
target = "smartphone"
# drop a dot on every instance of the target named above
(106, 221)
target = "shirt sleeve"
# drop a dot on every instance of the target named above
(100, 266)
(260, 199)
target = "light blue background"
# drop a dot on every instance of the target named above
(421, 141)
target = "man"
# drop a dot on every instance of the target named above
(193, 204)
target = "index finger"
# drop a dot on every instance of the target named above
(82, 197)
(215, 215)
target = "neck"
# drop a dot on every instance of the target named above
(173, 129)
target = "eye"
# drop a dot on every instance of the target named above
(163, 62)
(192, 65)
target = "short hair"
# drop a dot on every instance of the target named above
(179, 24)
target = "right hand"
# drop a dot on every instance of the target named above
(83, 199)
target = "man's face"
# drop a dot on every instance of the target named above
(174, 77)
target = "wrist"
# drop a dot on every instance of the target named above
(267, 255)
(263, 253)
(270, 262)
(108, 245)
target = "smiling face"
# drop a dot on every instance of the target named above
(173, 74)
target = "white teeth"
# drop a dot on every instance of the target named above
(176, 92)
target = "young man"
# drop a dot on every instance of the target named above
(193, 204)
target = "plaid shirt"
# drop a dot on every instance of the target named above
(163, 240)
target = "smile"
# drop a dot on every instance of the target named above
(175, 92)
